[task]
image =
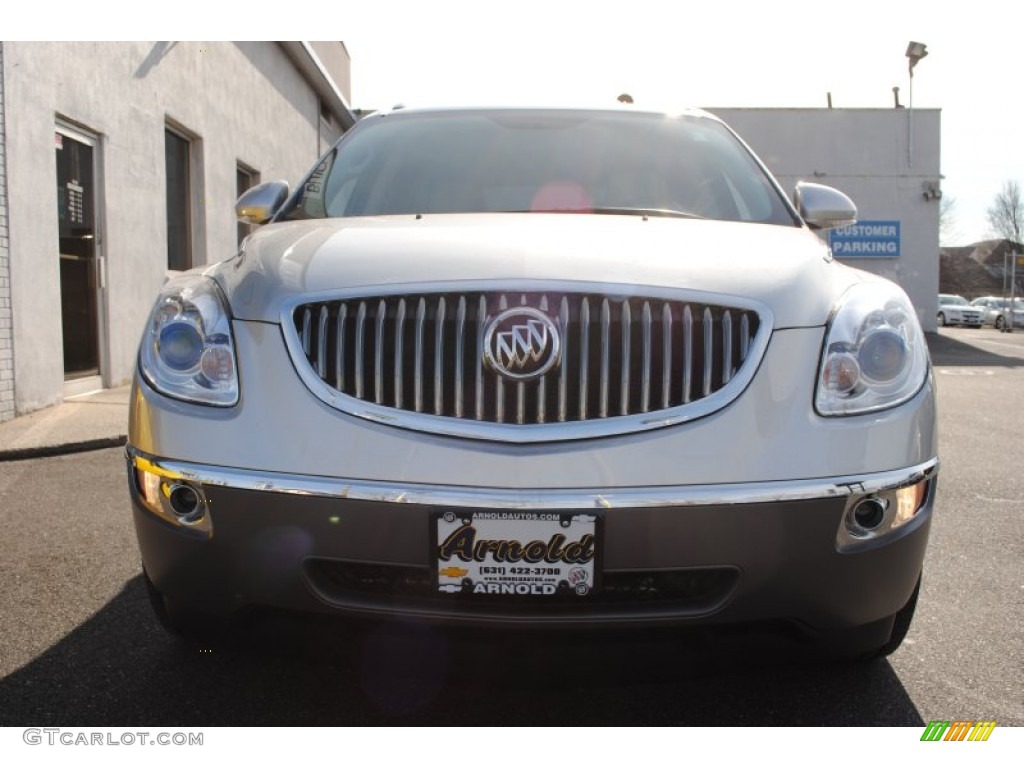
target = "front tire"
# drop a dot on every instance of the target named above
(942, 320)
(999, 322)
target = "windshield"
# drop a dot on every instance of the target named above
(540, 161)
(958, 301)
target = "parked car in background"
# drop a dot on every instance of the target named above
(956, 310)
(995, 308)
(540, 368)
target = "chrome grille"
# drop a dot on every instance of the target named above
(620, 355)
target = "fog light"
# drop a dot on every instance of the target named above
(909, 501)
(185, 503)
(166, 495)
(869, 514)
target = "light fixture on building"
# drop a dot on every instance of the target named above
(932, 190)
(915, 52)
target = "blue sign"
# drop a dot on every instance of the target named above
(866, 240)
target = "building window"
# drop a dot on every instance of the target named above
(246, 178)
(178, 155)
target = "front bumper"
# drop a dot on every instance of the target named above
(733, 552)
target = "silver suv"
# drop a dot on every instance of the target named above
(544, 368)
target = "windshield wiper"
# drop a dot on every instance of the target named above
(664, 212)
(618, 211)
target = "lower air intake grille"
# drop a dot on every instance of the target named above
(697, 590)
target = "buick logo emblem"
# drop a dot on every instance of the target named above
(522, 344)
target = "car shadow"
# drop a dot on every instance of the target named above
(946, 350)
(121, 668)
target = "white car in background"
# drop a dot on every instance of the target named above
(956, 310)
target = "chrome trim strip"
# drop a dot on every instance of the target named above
(399, 352)
(687, 342)
(339, 363)
(360, 347)
(537, 498)
(563, 374)
(666, 354)
(606, 353)
(584, 356)
(542, 385)
(481, 319)
(726, 347)
(645, 386)
(607, 425)
(744, 337)
(709, 350)
(624, 371)
(499, 384)
(307, 315)
(321, 343)
(439, 356)
(378, 353)
(521, 386)
(460, 354)
(421, 314)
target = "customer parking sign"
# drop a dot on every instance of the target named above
(866, 240)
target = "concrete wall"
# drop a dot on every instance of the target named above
(6, 328)
(864, 153)
(243, 102)
(335, 59)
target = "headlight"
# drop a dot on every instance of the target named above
(875, 355)
(187, 349)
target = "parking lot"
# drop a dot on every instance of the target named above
(80, 646)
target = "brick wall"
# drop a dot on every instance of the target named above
(6, 330)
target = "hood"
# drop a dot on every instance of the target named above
(786, 268)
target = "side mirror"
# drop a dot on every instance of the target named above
(259, 204)
(824, 207)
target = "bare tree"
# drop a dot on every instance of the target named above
(948, 231)
(1006, 214)
(1006, 218)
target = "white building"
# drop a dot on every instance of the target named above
(148, 146)
(886, 160)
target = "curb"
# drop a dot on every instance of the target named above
(40, 452)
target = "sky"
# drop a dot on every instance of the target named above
(665, 54)
(730, 54)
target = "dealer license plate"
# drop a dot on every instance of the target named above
(512, 553)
